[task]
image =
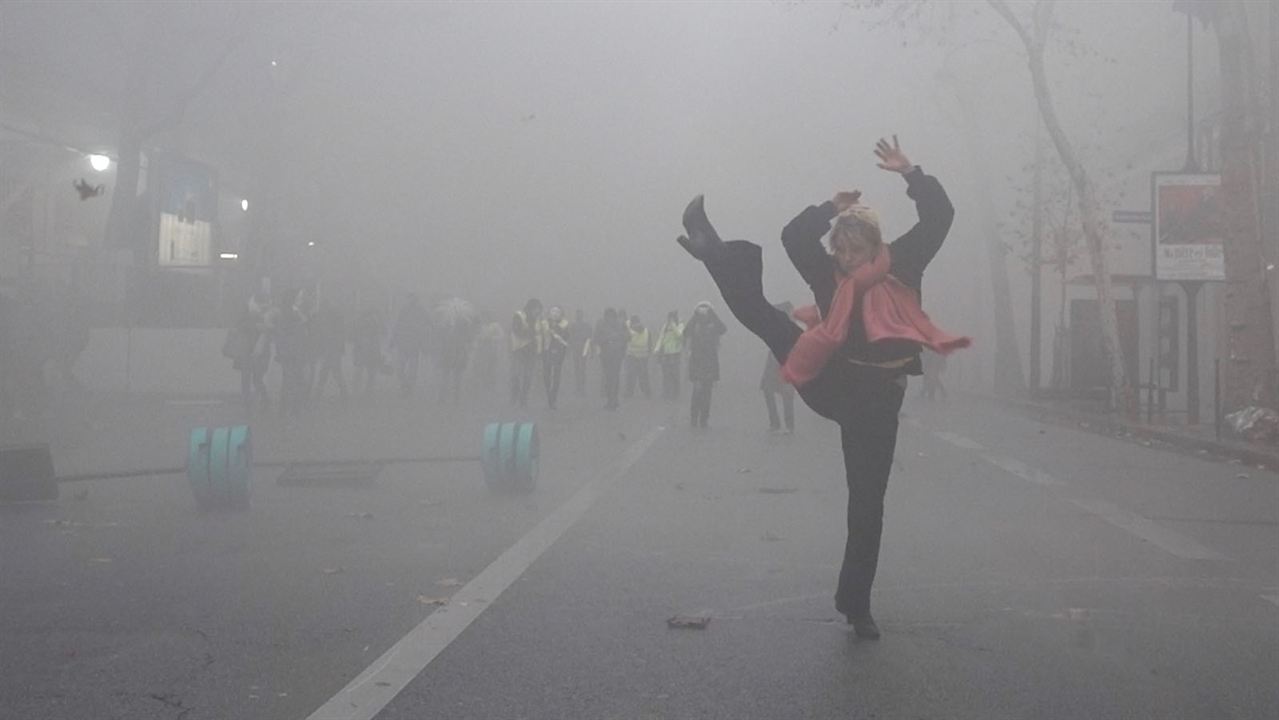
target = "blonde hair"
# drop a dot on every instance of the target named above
(857, 222)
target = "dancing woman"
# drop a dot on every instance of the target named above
(864, 337)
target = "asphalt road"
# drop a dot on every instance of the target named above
(1028, 570)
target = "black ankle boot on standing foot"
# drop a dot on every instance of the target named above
(864, 626)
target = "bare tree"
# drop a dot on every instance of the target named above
(1249, 369)
(139, 123)
(1034, 38)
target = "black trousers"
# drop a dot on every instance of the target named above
(700, 405)
(552, 368)
(864, 401)
(611, 374)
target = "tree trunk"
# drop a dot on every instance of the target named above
(1250, 349)
(1009, 376)
(1089, 207)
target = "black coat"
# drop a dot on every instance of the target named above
(911, 253)
(701, 337)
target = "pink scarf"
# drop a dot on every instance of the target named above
(890, 311)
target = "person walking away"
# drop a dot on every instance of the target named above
(610, 342)
(772, 386)
(638, 350)
(579, 339)
(554, 332)
(863, 338)
(670, 351)
(408, 341)
(366, 351)
(249, 349)
(329, 333)
(488, 345)
(525, 350)
(701, 335)
(288, 333)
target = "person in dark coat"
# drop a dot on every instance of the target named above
(408, 340)
(847, 366)
(770, 383)
(329, 334)
(611, 337)
(701, 336)
(250, 351)
(579, 338)
(366, 351)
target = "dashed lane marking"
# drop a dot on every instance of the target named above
(959, 440)
(1168, 540)
(366, 695)
(1022, 470)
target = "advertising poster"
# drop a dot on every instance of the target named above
(187, 197)
(1189, 227)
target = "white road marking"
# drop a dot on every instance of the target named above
(366, 695)
(1022, 470)
(1169, 540)
(958, 440)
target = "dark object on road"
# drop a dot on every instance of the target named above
(864, 626)
(26, 473)
(688, 622)
(86, 190)
(338, 474)
(220, 466)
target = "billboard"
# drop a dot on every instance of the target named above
(187, 200)
(1189, 226)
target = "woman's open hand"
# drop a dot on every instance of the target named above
(846, 199)
(891, 157)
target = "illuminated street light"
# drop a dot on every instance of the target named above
(229, 256)
(244, 205)
(99, 162)
(310, 243)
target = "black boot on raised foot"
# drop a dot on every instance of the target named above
(702, 241)
(864, 626)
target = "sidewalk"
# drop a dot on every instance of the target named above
(1200, 439)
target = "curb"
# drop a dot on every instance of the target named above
(1244, 452)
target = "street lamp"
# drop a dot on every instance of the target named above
(244, 205)
(99, 162)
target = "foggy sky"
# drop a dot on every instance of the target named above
(511, 149)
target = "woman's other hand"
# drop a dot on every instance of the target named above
(891, 157)
(846, 199)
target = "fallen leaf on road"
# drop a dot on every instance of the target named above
(333, 571)
(432, 600)
(1243, 476)
(743, 471)
(688, 622)
(777, 490)
(770, 537)
(449, 582)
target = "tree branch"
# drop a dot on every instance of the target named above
(176, 114)
(1001, 8)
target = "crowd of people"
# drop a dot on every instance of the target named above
(308, 338)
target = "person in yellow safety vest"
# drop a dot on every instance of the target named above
(637, 351)
(552, 332)
(669, 351)
(526, 346)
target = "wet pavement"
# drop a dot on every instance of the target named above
(1028, 570)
